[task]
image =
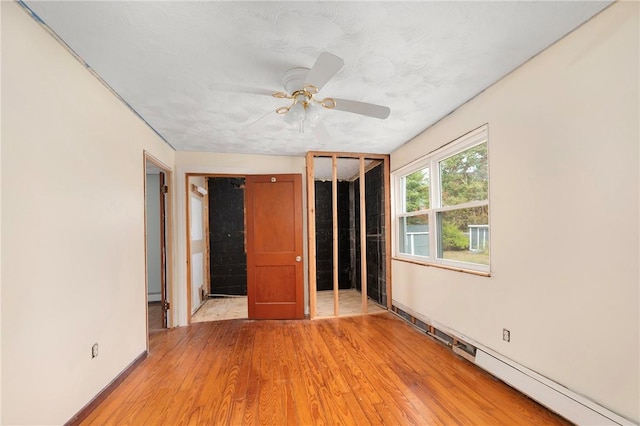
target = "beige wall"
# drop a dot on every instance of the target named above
(564, 190)
(73, 227)
(233, 164)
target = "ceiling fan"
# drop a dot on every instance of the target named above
(302, 85)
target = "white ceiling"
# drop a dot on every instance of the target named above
(346, 168)
(181, 65)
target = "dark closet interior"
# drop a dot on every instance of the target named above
(228, 258)
(375, 219)
(348, 196)
(324, 236)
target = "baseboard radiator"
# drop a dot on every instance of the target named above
(568, 404)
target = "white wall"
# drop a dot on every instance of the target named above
(154, 260)
(233, 164)
(73, 227)
(564, 191)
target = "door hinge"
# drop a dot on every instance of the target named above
(164, 189)
(166, 306)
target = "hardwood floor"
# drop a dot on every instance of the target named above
(154, 316)
(350, 303)
(372, 369)
(225, 308)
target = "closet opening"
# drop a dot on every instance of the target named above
(348, 202)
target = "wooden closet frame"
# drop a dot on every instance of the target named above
(311, 225)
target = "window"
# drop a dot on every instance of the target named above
(442, 205)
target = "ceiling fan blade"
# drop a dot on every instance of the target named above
(258, 124)
(363, 108)
(235, 88)
(326, 66)
(321, 133)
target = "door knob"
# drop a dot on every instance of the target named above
(298, 258)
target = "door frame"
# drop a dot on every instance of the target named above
(311, 224)
(149, 159)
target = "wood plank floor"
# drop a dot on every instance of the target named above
(225, 308)
(372, 369)
(154, 316)
(350, 303)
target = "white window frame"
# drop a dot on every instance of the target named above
(431, 161)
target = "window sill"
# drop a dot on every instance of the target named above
(439, 266)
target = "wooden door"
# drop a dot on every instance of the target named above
(274, 246)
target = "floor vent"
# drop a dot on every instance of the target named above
(465, 350)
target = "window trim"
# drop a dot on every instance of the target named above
(431, 161)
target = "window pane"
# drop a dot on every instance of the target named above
(414, 235)
(464, 235)
(464, 176)
(416, 190)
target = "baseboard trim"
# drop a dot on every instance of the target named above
(562, 401)
(105, 392)
(572, 406)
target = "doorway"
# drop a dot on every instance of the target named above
(226, 275)
(254, 247)
(157, 219)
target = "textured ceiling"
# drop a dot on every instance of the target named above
(346, 168)
(184, 65)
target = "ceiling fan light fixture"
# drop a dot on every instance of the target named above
(310, 89)
(295, 114)
(312, 113)
(328, 103)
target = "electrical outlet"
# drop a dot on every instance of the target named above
(94, 350)
(506, 335)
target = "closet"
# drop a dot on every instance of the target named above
(349, 224)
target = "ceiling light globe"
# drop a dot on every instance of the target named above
(313, 113)
(295, 115)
